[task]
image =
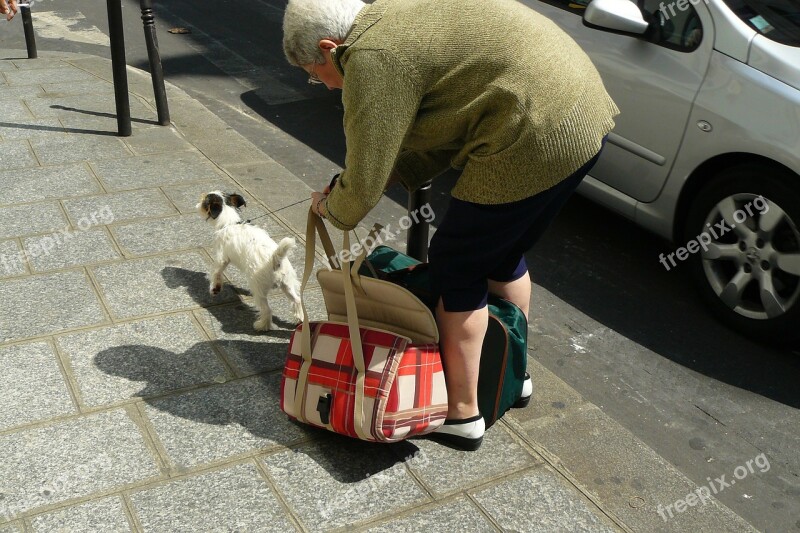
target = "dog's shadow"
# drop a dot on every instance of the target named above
(196, 285)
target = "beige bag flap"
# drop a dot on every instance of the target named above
(381, 304)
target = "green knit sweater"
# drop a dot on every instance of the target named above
(486, 86)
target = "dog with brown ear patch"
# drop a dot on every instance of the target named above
(251, 250)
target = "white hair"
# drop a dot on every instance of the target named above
(307, 22)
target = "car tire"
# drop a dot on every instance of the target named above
(749, 271)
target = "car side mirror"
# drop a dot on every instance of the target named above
(617, 16)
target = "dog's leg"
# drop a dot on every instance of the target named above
(260, 292)
(220, 265)
(264, 320)
(292, 291)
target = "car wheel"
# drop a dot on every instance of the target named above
(746, 223)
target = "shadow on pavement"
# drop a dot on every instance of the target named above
(196, 285)
(607, 267)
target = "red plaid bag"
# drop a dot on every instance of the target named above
(364, 381)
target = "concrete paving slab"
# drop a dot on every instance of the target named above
(14, 111)
(49, 105)
(54, 251)
(155, 171)
(40, 63)
(28, 219)
(7, 65)
(271, 183)
(157, 141)
(360, 481)
(223, 421)
(442, 468)
(123, 206)
(94, 454)
(250, 351)
(457, 515)
(106, 515)
(32, 387)
(60, 74)
(551, 396)
(541, 501)
(157, 285)
(17, 93)
(194, 120)
(234, 499)
(81, 123)
(232, 149)
(34, 184)
(140, 359)
(44, 128)
(12, 263)
(76, 148)
(97, 87)
(163, 235)
(16, 154)
(46, 304)
(629, 478)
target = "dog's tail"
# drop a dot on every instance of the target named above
(284, 247)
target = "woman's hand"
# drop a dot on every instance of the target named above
(9, 8)
(317, 202)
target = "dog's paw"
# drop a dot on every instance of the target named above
(262, 324)
(215, 289)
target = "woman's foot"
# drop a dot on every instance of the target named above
(465, 434)
(527, 392)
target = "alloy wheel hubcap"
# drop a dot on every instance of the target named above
(753, 260)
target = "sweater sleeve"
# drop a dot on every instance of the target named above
(417, 168)
(381, 98)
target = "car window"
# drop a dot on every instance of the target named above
(676, 23)
(778, 20)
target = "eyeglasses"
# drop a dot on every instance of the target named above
(313, 79)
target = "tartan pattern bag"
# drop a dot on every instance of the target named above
(365, 382)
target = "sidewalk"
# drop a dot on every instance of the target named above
(130, 400)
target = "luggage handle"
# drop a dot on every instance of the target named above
(316, 225)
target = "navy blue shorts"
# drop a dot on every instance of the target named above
(475, 243)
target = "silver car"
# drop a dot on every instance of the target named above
(706, 151)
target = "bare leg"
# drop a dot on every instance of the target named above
(517, 292)
(461, 338)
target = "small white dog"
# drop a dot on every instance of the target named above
(253, 252)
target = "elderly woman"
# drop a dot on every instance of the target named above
(485, 86)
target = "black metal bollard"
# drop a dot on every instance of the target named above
(118, 66)
(417, 239)
(156, 72)
(30, 38)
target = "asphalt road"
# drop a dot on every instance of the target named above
(643, 347)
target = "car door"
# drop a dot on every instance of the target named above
(654, 86)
